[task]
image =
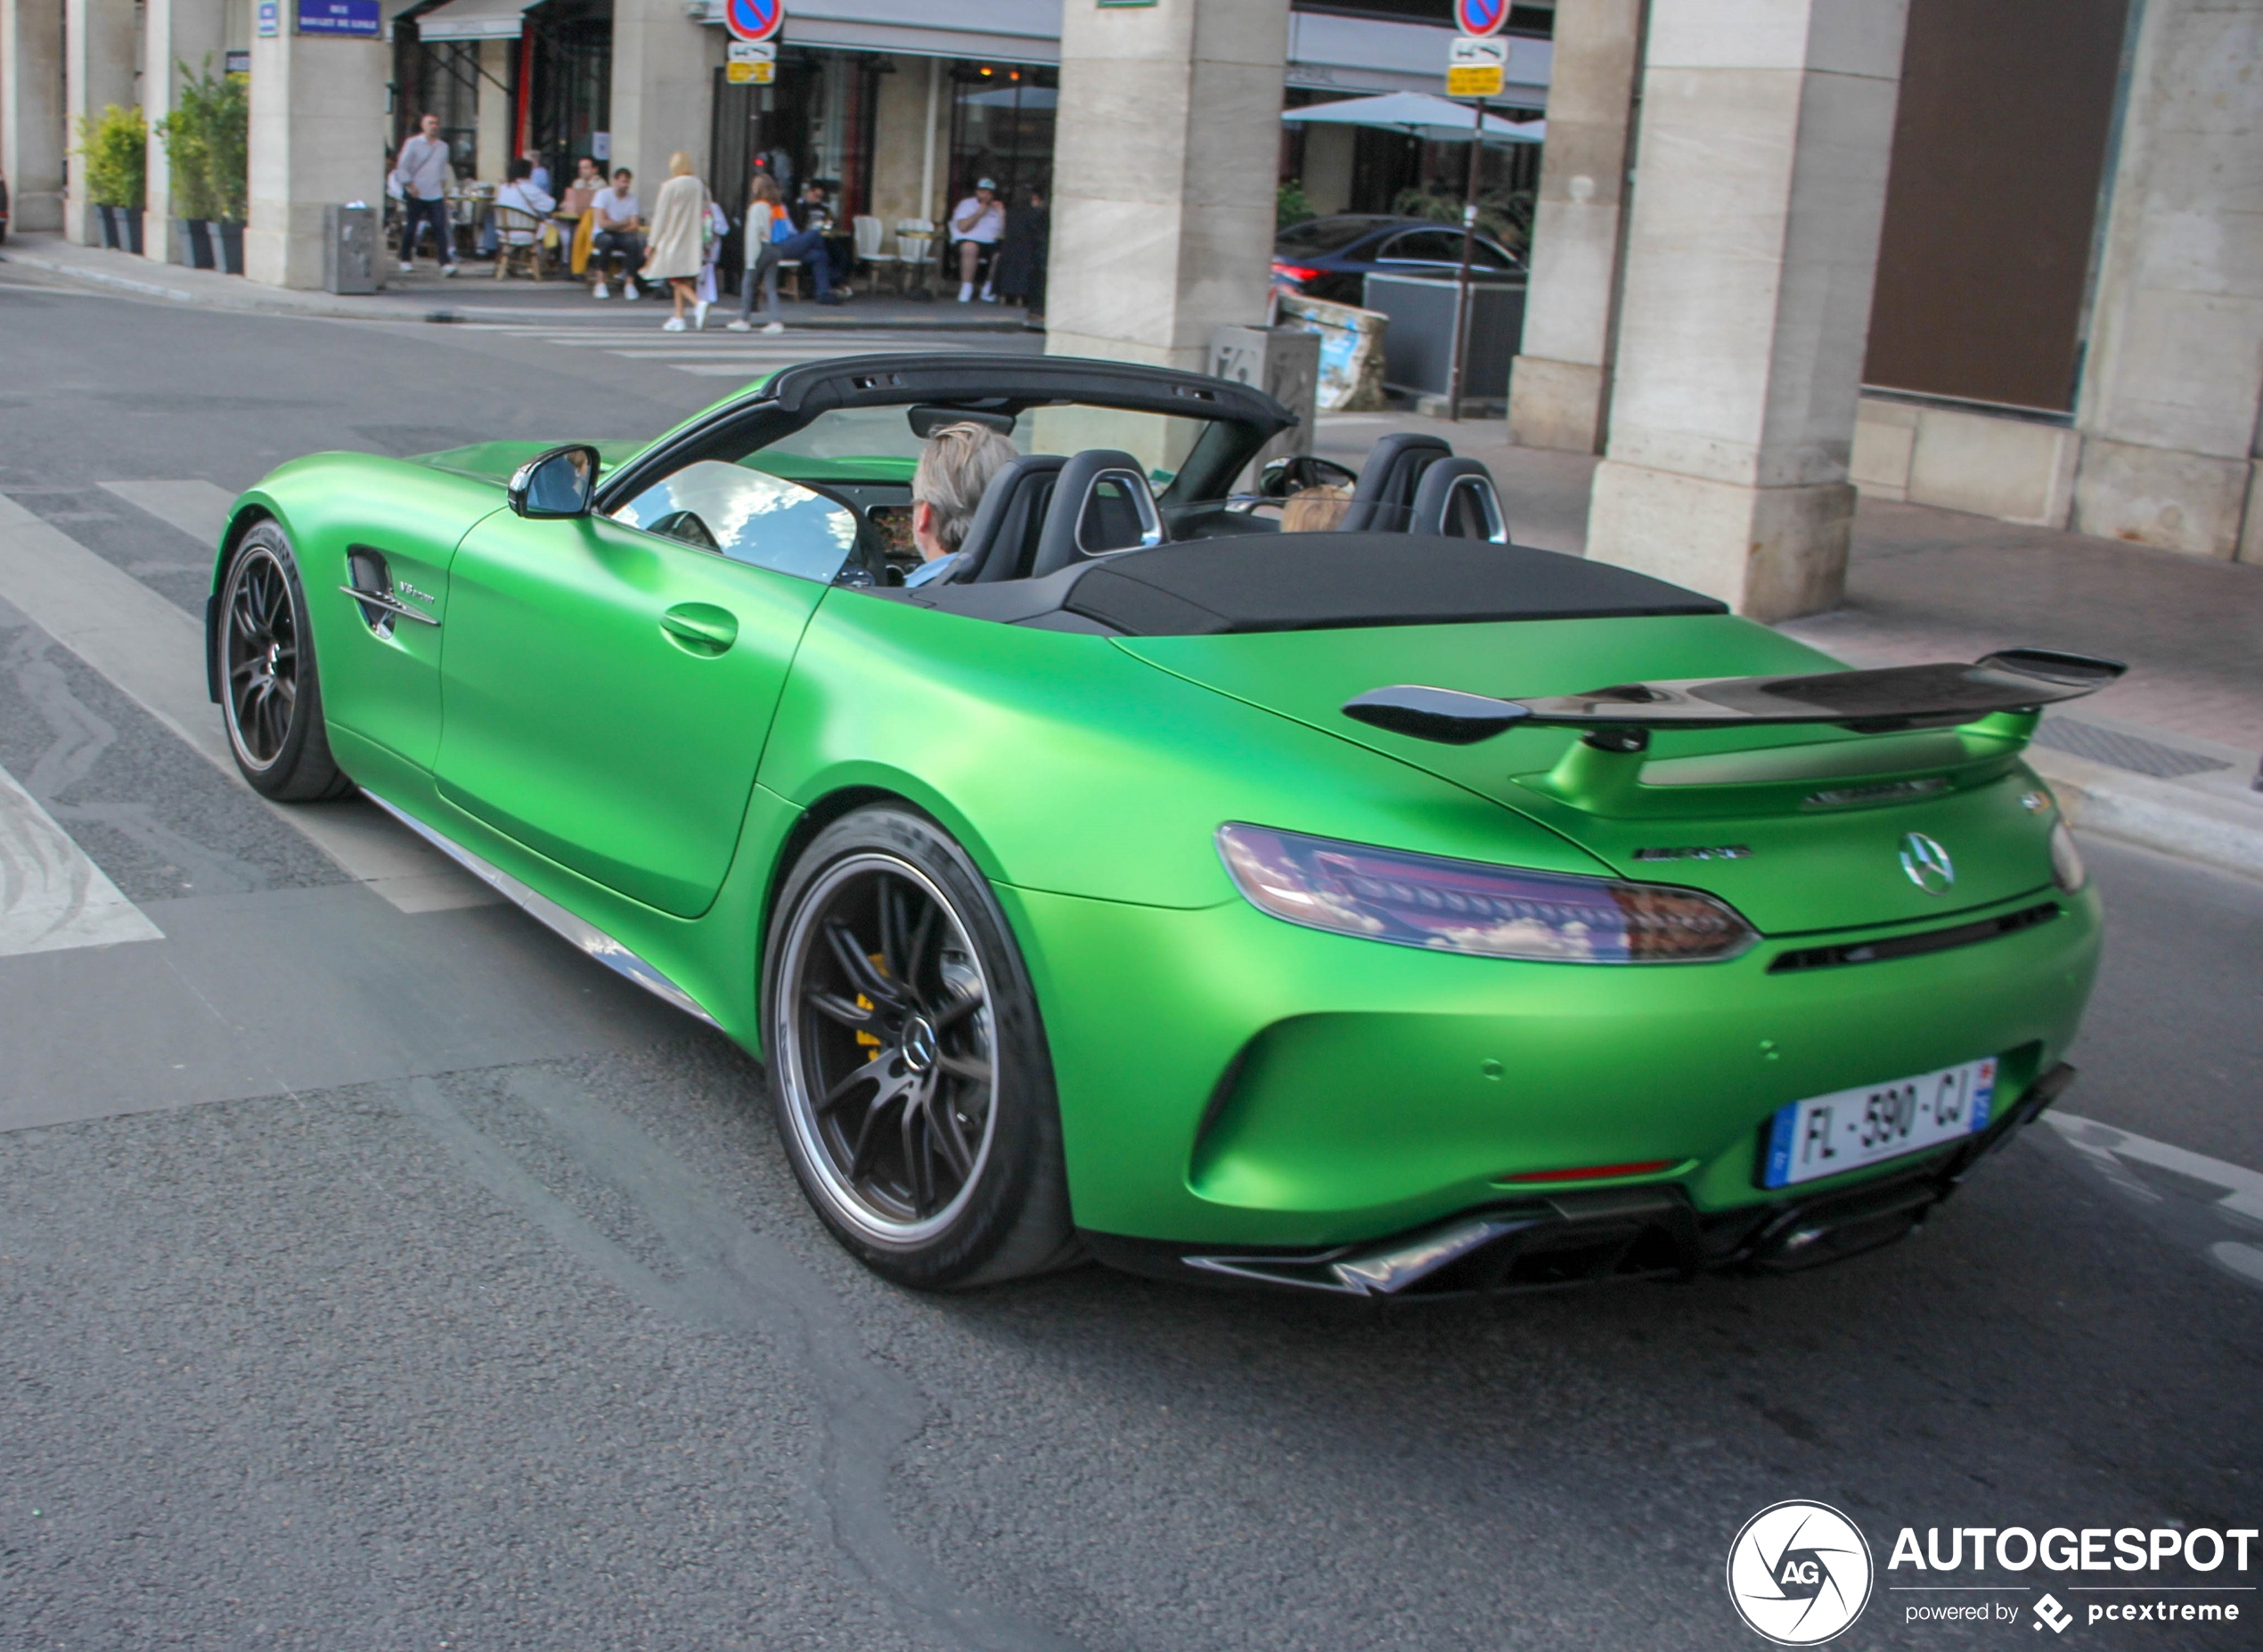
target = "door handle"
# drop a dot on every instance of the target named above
(700, 628)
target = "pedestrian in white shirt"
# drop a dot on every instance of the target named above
(976, 223)
(421, 170)
(620, 232)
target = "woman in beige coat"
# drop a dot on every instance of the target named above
(679, 223)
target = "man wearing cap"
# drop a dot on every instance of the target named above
(976, 223)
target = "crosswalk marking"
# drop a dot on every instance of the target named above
(198, 508)
(51, 896)
(153, 653)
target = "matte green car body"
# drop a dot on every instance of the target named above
(1225, 1077)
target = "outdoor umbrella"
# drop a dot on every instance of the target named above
(1435, 120)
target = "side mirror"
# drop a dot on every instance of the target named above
(1298, 471)
(555, 484)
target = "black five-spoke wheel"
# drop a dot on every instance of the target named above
(911, 1084)
(261, 655)
(269, 694)
(892, 1045)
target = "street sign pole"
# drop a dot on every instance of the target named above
(1468, 251)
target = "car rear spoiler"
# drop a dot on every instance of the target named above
(1620, 719)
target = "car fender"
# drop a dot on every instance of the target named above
(1062, 764)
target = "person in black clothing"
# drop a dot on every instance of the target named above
(1019, 274)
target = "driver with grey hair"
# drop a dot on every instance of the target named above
(955, 470)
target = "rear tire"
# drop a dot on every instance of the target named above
(270, 693)
(908, 1061)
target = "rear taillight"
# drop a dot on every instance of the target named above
(1593, 1173)
(1295, 272)
(1470, 907)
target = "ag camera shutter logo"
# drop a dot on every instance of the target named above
(1799, 1573)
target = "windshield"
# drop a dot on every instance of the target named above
(881, 444)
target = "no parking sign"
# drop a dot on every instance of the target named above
(757, 20)
(1481, 17)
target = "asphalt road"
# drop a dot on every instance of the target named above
(377, 1272)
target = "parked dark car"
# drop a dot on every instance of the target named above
(1330, 257)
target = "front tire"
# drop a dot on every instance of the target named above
(270, 694)
(908, 1061)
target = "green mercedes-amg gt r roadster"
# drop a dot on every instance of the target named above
(1387, 911)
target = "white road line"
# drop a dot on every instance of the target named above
(51, 896)
(2104, 1143)
(198, 508)
(153, 653)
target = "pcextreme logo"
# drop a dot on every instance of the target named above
(1799, 1573)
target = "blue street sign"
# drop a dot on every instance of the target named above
(754, 20)
(339, 17)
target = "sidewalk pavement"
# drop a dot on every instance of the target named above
(473, 295)
(2166, 757)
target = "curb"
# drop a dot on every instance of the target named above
(261, 300)
(2194, 825)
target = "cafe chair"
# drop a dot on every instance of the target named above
(871, 233)
(511, 222)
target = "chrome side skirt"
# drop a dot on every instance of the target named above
(584, 935)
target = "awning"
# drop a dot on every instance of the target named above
(987, 31)
(1348, 54)
(1353, 54)
(473, 20)
(1434, 119)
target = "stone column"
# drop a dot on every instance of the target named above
(2170, 394)
(1558, 387)
(318, 131)
(31, 111)
(100, 44)
(174, 32)
(1164, 162)
(1751, 245)
(497, 140)
(663, 90)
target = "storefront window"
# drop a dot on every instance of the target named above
(565, 80)
(1001, 126)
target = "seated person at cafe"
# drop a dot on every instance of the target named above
(955, 469)
(580, 195)
(520, 190)
(620, 226)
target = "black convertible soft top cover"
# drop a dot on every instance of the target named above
(1310, 581)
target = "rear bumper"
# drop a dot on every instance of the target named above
(1591, 1238)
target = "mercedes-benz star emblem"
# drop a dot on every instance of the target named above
(1799, 1573)
(1927, 864)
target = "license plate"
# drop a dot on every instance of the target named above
(1826, 1135)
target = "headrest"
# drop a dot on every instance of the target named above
(1003, 535)
(1385, 497)
(1101, 504)
(1457, 499)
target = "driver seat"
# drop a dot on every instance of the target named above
(1001, 541)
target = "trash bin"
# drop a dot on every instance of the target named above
(1283, 361)
(1418, 349)
(349, 248)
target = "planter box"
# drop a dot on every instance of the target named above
(1419, 350)
(192, 242)
(123, 228)
(227, 243)
(108, 217)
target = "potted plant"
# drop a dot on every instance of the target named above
(227, 158)
(183, 133)
(115, 146)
